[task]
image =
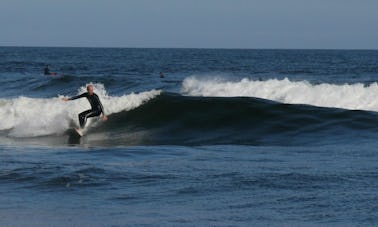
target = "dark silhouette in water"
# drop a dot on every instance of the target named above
(47, 71)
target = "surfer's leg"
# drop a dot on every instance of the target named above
(83, 118)
(93, 113)
(86, 114)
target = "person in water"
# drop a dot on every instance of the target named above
(47, 71)
(96, 107)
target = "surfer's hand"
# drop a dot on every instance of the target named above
(104, 117)
(65, 99)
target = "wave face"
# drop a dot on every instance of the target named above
(183, 120)
(32, 117)
(347, 96)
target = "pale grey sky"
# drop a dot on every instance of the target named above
(325, 24)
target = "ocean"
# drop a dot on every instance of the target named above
(226, 138)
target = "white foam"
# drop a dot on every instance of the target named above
(346, 96)
(28, 117)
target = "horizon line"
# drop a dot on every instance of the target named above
(204, 48)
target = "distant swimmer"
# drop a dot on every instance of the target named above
(47, 71)
(161, 75)
(96, 106)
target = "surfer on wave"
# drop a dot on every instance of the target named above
(96, 107)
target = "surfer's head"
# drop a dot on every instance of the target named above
(90, 89)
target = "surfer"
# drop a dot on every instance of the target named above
(96, 106)
(47, 71)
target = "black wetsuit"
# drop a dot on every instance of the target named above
(96, 106)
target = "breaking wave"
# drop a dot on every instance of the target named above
(30, 117)
(347, 96)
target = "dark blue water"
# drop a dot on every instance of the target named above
(227, 137)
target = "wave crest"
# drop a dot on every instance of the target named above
(346, 96)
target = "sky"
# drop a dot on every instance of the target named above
(284, 24)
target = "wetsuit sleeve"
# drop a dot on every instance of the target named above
(78, 96)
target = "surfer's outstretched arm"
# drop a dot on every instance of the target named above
(75, 97)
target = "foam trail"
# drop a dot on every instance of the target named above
(29, 117)
(353, 96)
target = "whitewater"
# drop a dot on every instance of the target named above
(346, 96)
(30, 117)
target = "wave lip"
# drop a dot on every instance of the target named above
(346, 96)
